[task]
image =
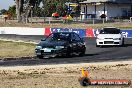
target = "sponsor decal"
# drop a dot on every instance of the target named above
(89, 32)
(96, 32)
(81, 32)
(127, 33)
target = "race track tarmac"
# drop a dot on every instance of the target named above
(93, 53)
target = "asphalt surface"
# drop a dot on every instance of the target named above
(93, 53)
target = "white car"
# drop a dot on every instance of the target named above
(109, 36)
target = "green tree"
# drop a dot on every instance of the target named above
(12, 10)
(3, 11)
(24, 7)
(37, 12)
(51, 6)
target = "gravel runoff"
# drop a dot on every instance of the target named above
(63, 75)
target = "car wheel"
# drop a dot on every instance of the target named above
(97, 45)
(83, 52)
(68, 53)
(39, 56)
(122, 42)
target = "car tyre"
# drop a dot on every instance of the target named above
(83, 52)
(123, 42)
(68, 53)
(39, 56)
(97, 45)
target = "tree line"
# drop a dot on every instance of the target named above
(39, 8)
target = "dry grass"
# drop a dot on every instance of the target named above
(16, 49)
(62, 75)
(60, 24)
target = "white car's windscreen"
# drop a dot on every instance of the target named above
(110, 31)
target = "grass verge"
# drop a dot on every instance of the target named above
(9, 49)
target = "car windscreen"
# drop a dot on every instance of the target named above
(58, 37)
(110, 31)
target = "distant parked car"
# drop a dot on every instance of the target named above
(60, 43)
(110, 36)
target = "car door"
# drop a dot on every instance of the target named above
(76, 41)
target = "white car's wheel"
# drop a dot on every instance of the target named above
(97, 45)
(122, 42)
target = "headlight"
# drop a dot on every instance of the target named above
(38, 47)
(59, 47)
(116, 38)
(100, 38)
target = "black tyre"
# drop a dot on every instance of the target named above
(68, 53)
(97, 45)
(39, 56)
(83, 52)
(123, 42)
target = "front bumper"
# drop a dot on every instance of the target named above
(108, 42)
(50, 52)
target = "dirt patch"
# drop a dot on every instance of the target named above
(63, 75)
